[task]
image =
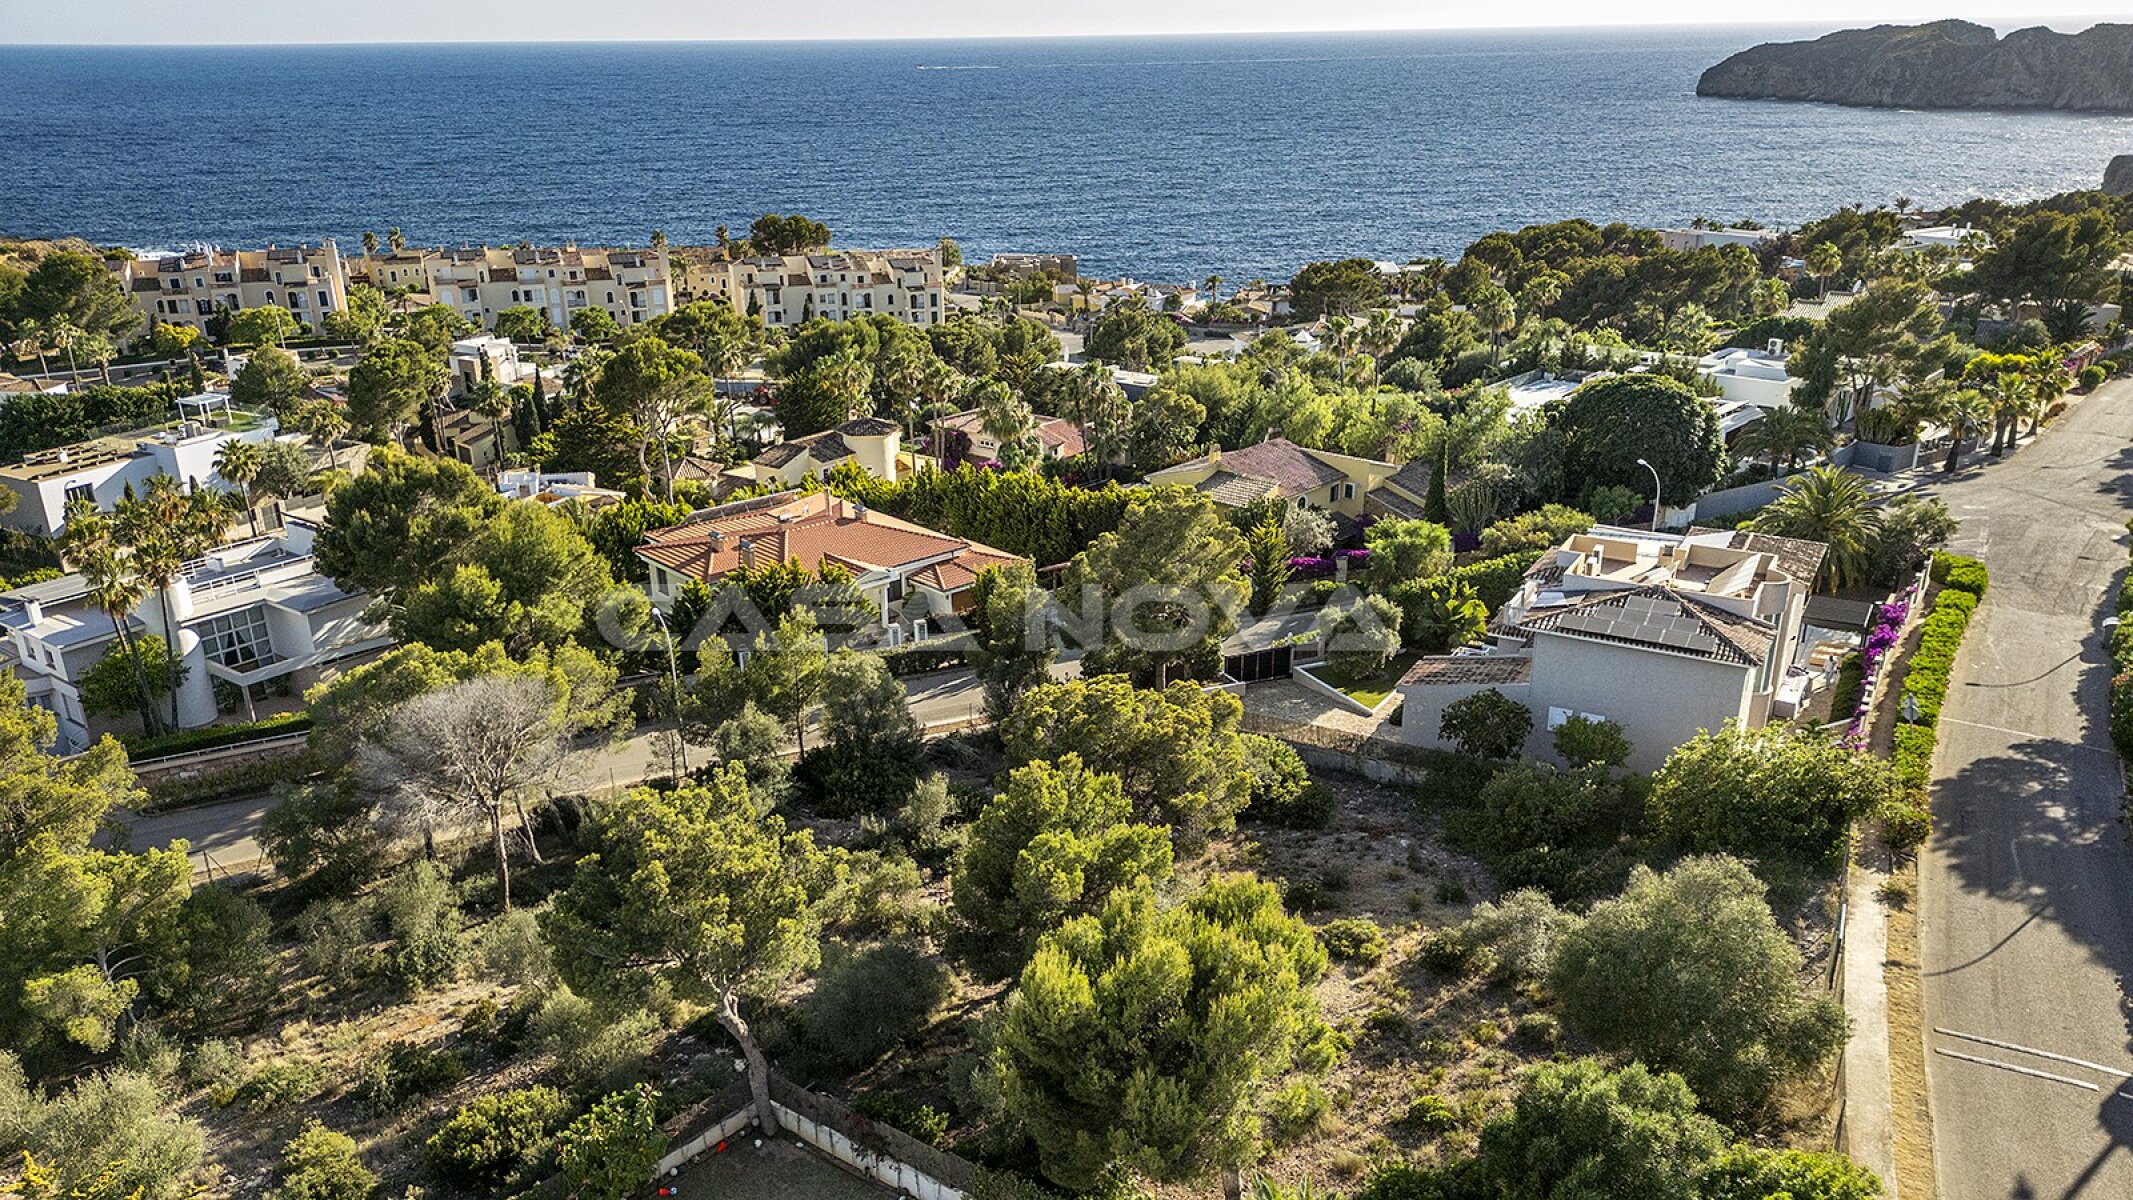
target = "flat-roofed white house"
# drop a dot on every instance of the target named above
(252, 619)
(102, 469)
(1750, 376)
(1663, 634)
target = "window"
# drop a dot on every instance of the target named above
(325, 300)
(79, 491)
(237, 640)
(1347, 491)
(1556, 716)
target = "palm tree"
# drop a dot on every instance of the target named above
(2050, 386)
(1822, 262)
(164, 527)
(2012, 395)
(1964, 411)
(1784, 433)
(30, 339)
(1381, 332)
(238, 463)
(1495, 311)
(1007, 420)
(87, 545)
(1831, 506)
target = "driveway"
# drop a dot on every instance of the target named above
(2026, 889)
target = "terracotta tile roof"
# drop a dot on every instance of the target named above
(1295, 469)
(1412, 478)
(1231, 490)
(812, 529)
(1489, 669)
(1797, 557)
(1659, 618)
(828, 446)
(1056, 433)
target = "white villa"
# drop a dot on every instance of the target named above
(102, 469)
(252, 620)
(1663, 634)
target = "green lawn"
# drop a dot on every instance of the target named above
(1368, 689)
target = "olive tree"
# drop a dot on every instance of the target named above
(474, 749)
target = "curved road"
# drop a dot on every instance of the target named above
(2026, 890)
(225, 834)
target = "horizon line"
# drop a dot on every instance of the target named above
(1995, 24)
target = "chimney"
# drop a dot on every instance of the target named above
(718, 539)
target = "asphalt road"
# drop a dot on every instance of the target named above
(2026, 889)
(224, 835)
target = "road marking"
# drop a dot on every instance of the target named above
(2020, 1049)
(2024, 733)
(1993, 1062)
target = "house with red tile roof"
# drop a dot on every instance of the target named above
(1058, 437)
(1279, 469)
(914, 575)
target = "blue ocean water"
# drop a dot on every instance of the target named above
(1167, 158)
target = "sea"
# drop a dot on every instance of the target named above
(1163, 158)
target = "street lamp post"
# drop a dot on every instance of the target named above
(1655, 492)
(681, 747)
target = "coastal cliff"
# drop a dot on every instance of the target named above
(1946, 64)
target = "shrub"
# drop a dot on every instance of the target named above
(215, 1061)
(1514, 938)
(1584, 741)
(402, 1071)
(922, 1121)
(1781, 796)
(857, 777)
(1562, 831)
(1282, 790)
(423, 922)
(322, 839)
(1907, 825)
(1955, 572)
(1298, 1109)
(338, 939)
(319, 1164)
(1689, 972)
(595, 1049)
(498, 1138)
(1354, 940)
(513, 952)
(1534, 532)
(2092, 377)
(1431, 1113)
(278, 1084)
(111, 1128)
(867, 1003)
(141, 749)
(613, 1151)
(1940, 635)
(1487, 724)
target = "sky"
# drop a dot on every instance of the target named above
(170, 22)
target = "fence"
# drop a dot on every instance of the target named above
(880, 1152)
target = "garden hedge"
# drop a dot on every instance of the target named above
(1959, 573)
(141, 749)
(2122, 671)
(1940, 634)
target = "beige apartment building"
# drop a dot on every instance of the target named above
(792, 289)
(189, 288)
(479, 282)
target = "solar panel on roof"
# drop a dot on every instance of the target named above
(1648, 619)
